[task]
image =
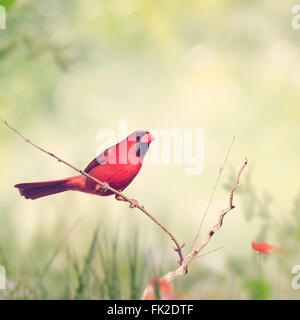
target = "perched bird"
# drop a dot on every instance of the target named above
(117, 166)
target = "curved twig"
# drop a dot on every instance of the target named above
(183, 269)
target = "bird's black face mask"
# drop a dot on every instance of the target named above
(141, 147)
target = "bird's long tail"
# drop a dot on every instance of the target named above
(37, 190)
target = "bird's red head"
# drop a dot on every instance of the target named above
(138, 142)
(140, 136)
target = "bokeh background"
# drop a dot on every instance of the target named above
(71, 68)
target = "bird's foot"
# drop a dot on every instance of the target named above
(133, 203)
(101, 188)
(104, 187)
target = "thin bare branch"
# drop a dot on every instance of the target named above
(56, 251)
(213, 192)
(183, 269)
(209, 252)
(178, 247)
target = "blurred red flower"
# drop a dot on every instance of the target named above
(265, 248)
(161, 290)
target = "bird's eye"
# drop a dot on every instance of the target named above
(138, 138)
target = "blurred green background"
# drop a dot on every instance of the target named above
(70, 68)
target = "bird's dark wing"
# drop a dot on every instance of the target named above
(92, 165)
(104, 157)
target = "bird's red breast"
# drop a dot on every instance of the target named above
(119, 164)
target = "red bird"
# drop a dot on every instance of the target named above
(117, 166)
